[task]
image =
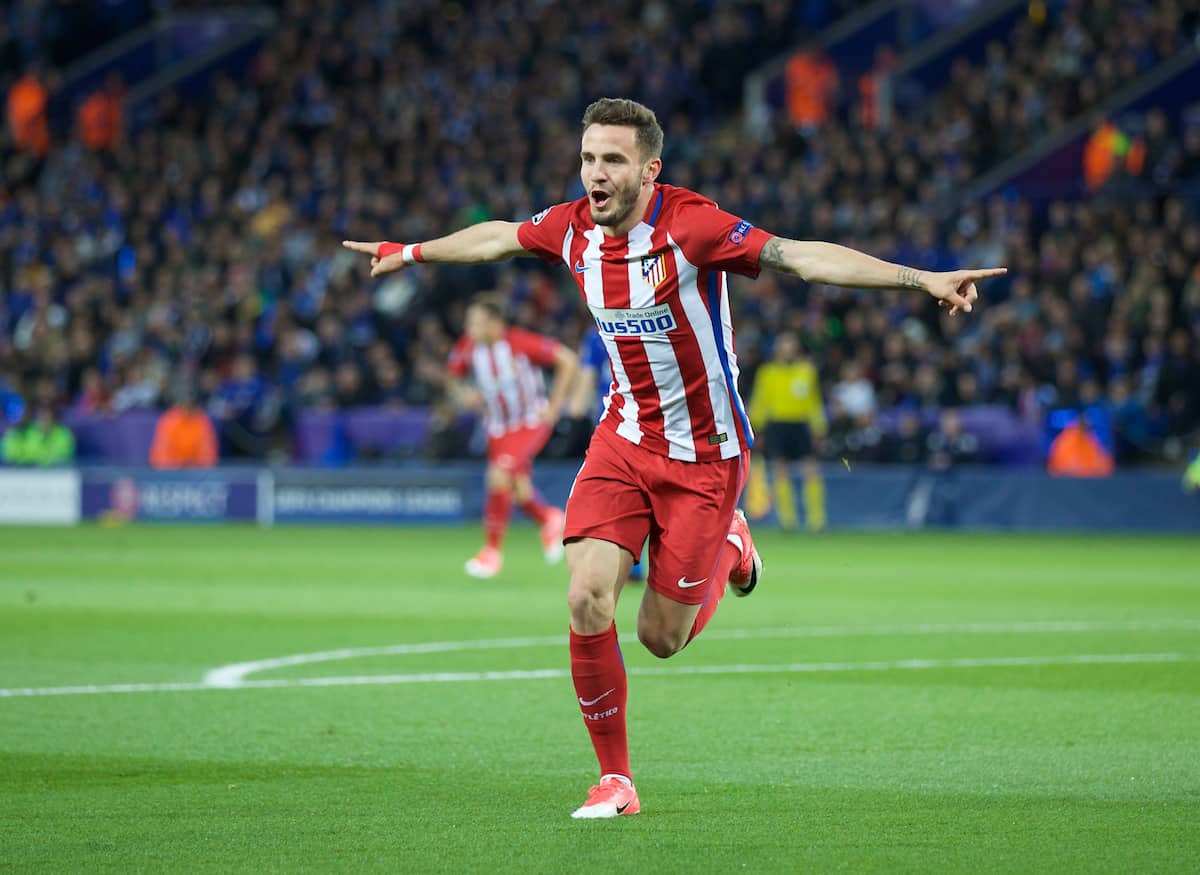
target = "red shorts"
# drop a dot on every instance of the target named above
(515, 450)
(626, 494)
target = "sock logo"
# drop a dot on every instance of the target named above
(587, 703)
(600, 715)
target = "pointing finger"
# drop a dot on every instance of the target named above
(985, 273)
(368, 248)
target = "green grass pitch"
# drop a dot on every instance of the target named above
(884, 703)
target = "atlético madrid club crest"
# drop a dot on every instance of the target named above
(654, 270)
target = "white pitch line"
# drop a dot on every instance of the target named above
(236, 673)
(233, 675)
(555, 673)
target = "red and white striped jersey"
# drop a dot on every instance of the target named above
(507, 373)
(661, 304)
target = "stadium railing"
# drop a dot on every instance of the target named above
(386, 433)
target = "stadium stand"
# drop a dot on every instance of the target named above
(198, 255)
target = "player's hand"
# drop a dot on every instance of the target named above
(955, 290)
(379, 266)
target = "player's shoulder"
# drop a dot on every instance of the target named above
(677, 199)
(677, 195)
(562, 214)
(523, 337)
(690, 214)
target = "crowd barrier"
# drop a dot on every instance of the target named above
(333, 437)
(865, 498)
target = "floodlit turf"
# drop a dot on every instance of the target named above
(920, 703)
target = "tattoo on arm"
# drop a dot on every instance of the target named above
(772, 255)
(908, 278)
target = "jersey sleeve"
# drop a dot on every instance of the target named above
(541, 350)
(460, 358)
(543, 234)
(714, 238)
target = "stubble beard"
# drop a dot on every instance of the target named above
(622, 203)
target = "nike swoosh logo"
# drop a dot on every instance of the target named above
(580, 267)
(621, 809)
(597, 699)
(688, 584)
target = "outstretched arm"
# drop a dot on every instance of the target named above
(485, 242)
(836, 265)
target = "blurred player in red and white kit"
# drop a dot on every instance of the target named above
(505, 365)
(669, 458)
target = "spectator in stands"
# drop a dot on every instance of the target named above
(874, 90)
(812, 83)
(94, 394)
(12, 405)
(184, 436)
(1178, 390)
(854, 393)
(1132, 427)
(908, 445)
(27, 121)
(349, 386)
(241, 408)
(389, 382)
(100, 118)
(41, 440)
(1076, 452)
(141, 385)
(1108, 150)
(950, 445)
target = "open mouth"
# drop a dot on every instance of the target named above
(600, 199)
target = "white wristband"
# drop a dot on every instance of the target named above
(408, 254)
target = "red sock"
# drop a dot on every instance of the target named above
(496, 512)
(600, 684)
(716, 588)
(536, 509)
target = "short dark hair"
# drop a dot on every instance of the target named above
(490, 303)
(628, 114)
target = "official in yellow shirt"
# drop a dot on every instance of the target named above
(786, 411)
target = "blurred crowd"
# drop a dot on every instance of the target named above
(197, 258)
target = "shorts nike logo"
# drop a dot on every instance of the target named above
(688, 584)
(580, 267)
(595, 700)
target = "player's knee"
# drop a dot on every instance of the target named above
(663, 643)
(496, 478)
(590, 603)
